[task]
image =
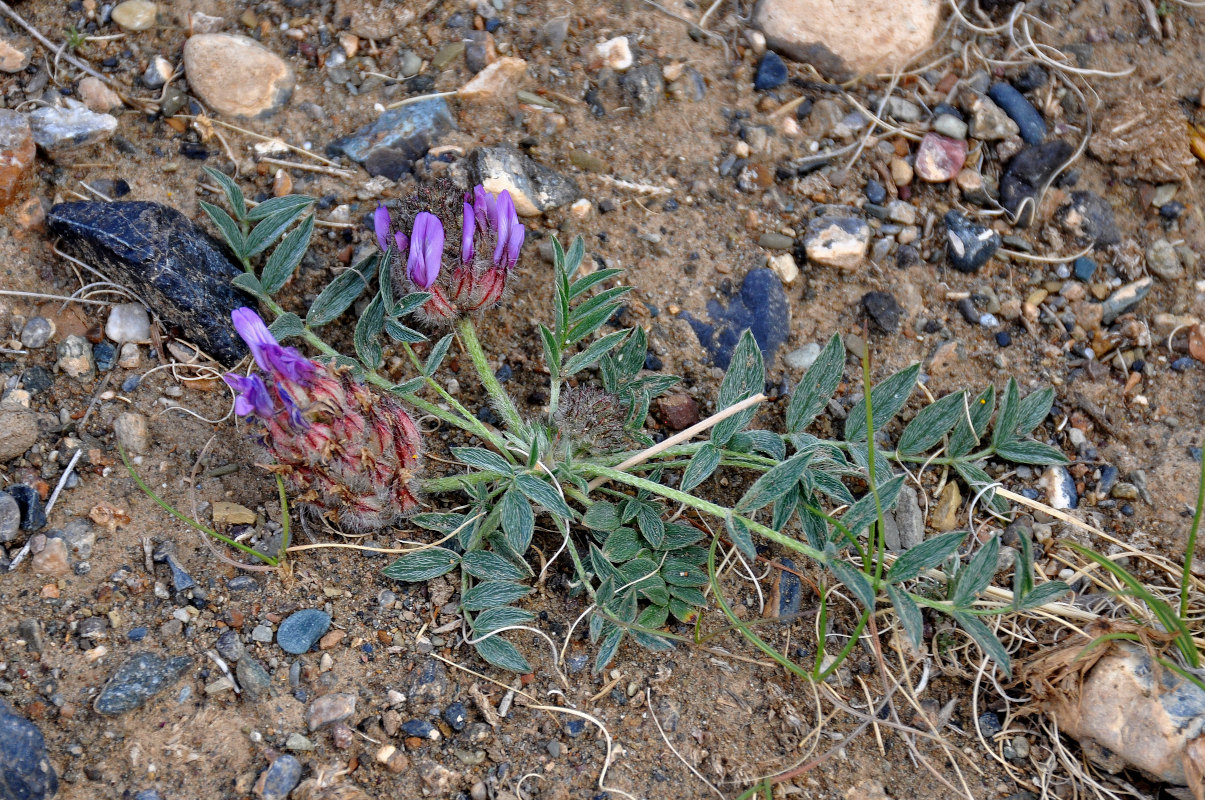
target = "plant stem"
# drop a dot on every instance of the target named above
(1190, 550)
(699, 505)
(468, 337)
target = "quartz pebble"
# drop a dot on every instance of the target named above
(135, 15)
(128, 322)
(615, 53)
(837, 241)
(37, 333)
(497, 81)
(58, 129)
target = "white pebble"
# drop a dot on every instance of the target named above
(128, 322)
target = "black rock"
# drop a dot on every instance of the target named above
(1032, 77)
(1172, 210)
(544, 188)
(33, 515)
(1027, 173)
(966, 307)
(456, 716)
(409, 130)
(644, 87)
(1013, 103)
(790, 592)
(771, 72)
(139, 679)
(25, 770)
(179, 269)
(1090, 217)
(391, 162)
(883, 310)
(761, 306)
(420, 728)
(427, 684)
(1003, 338)
(281, 778)
(968, 244)
(36, 380)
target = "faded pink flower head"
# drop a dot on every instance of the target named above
(339, 446)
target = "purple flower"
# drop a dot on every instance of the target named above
(466, 235)
(426, 251)
(403, 243)
(268, 354)
(251, 395)
(381, 223)
(510, 232)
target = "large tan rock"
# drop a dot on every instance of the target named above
(237, 76)
(846, 38)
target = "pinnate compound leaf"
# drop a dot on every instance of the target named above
(502, 654)
(817, 386)
(926, 555)
(886, 399)
(423, 565)
(932, 423)
(491, 594)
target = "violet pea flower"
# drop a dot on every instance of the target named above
(380, 224)
(268, 353)
(251, 395)
(426, 250)
(466, 234)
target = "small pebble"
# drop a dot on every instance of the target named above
(1003, 339)
(301, 630)
(37, 333)
(771, 72)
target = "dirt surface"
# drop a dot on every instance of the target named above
(731, 719)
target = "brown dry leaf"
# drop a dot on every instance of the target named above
(1196, 342)
(108, 517)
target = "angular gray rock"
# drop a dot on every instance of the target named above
(533, 187)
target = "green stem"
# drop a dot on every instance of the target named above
(468, 337)
(599, 471)
(878, 540)
(1186, 577)
(577, 559)
(192, 523)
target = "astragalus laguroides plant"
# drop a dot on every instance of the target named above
(636, 520)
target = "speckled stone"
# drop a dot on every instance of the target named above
(178, 268)
(139, 679)
(25, 769)
(301, 630)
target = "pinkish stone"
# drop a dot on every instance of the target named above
(939, 158)
(16, 155)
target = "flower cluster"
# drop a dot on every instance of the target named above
(338, 445)
(491, 238)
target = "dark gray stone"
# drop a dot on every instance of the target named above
(543, 188)
(883, 310)
(409, 130)
(1124, 298)
(301, 630)
(1090, 217)
(1013, 103)
(182, 272)
(420, 728)
(771, 72)
(790, 592)
(428, 684)
(25, 769)
(456, 716)
(1026, 174)
(230, 646)
(139, 679)
(33, 514)
(280, 778)
(761, 306)
(969, 245)
(644, 87)
(252, 677)
(10, 518)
